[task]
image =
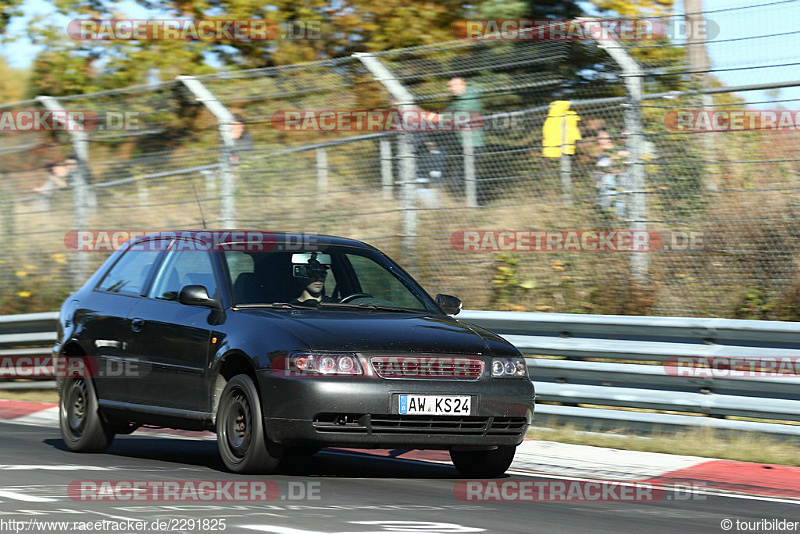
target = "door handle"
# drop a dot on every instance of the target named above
(137, 324)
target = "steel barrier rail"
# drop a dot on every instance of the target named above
(632, 381)
(630, 389)
(28, 335)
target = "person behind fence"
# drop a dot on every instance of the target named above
(466, 98)
(57, 176)
(242, 140)
(312, 276)
(431, 161)
(610, 170)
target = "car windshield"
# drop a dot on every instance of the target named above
(339, 277)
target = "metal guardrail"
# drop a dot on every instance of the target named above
(631, 388)
(633, 373)
(22, 337)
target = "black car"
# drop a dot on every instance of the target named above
(283, 344)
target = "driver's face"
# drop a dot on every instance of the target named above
(317, 280)
(316, 286)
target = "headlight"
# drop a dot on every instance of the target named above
(509, 368)
(316, 364)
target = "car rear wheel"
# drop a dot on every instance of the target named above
(483, 464)
(82, 427)
(240, 430)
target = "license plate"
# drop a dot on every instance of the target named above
(434, 405)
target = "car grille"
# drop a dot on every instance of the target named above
(419, 424)
(428, 367)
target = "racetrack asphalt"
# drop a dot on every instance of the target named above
(356, 494)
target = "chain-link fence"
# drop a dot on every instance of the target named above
(717, 207)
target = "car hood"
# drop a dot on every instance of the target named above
(371, 331)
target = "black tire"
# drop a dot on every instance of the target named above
(82, 427)
(240, 430)
(484, 464)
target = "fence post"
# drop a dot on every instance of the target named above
(387, 180)
(566, 163)
(224, 122)
(699, 65)
(405, 153)
(322, 174)
(8, 211)
(635, 179)
(470, 185)
(80, 187)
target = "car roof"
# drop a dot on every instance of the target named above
(226, 236)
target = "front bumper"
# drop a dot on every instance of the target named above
(363, 412)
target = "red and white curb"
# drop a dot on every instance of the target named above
(550, 458)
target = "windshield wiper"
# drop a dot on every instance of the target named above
(279, 305)
(369, 306)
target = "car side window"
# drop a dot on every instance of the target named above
(183, 268)
(378, 282)
(239, 263)
(129, 274)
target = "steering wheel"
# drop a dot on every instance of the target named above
(354, 296)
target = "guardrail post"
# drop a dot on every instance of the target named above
(225, 121)
(405, 153)
(80, 184)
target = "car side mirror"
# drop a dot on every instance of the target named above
(448, 303)
(196, 296)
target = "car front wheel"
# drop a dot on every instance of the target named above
(240, 429)
(483, 464)
(82, 427)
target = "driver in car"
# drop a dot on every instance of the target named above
(312, 275)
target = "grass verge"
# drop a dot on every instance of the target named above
(704, 442)
(32, 395)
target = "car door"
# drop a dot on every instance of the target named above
(170, 340)
(104, 320)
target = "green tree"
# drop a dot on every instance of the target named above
(13, 83)
(66, 66)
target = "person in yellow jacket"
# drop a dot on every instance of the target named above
(560, 121)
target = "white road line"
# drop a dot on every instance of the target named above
(22, 497)
(683, 489)
(24, 467)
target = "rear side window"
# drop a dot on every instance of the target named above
(129, 274)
